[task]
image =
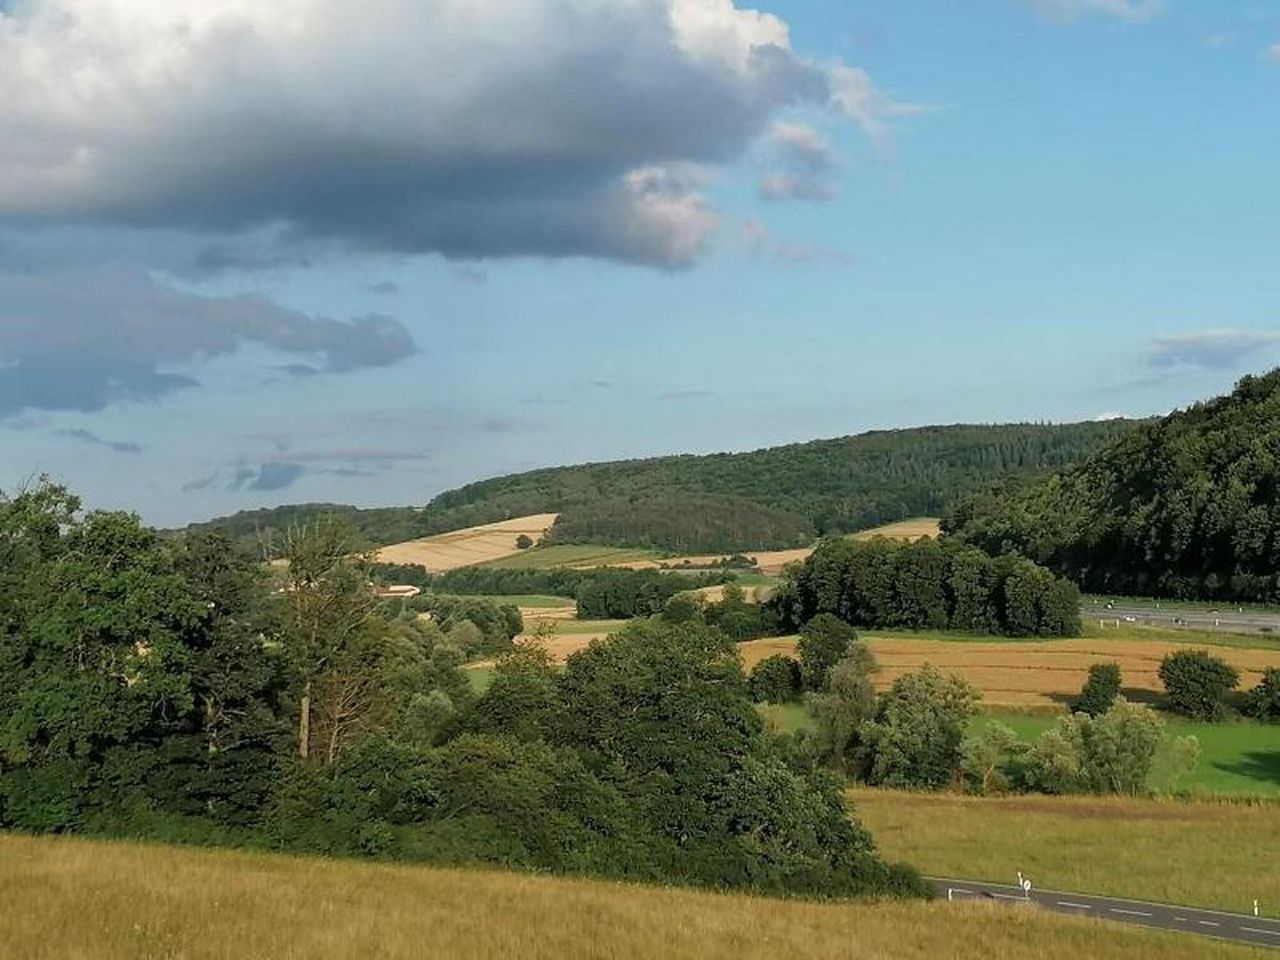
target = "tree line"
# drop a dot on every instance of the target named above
(1184, 507)
(602, 593)
(923, 731)
(931, 585)
(174, 689)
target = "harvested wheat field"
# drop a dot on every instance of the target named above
(916, 528)
(1027, 673)
(115, 901)
(463, 548)
(772, 562)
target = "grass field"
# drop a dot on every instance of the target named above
(1239, 758)
(530, 601)
(463, 548)
(1040, 673)
(75, 899)
(1207, 854)
(571, 555)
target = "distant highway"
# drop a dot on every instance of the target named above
(1228, 618)
(1237, 927)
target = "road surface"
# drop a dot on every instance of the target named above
(1226, 618)
(1239, 928)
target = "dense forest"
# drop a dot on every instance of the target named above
(264, 532)
(178, 689)
(1184, 507)
(802, 490)
(779, 497)
(928, 585)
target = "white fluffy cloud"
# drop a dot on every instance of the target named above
(471, 128)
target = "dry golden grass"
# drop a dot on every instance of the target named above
(772, 562)
(68, 899)
(916, 528)
(463, 548)
(1027, 673)
(1202, 853)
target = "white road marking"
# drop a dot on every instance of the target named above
(1132, 913)
(1269, 933)
(1180, 919)
(1080, 906)
(1207, 923)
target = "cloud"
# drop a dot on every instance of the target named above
(1273, 53)
(268, 477)
(1132, 10)
(233, 134)
(755, 239)
(88, 339)
(89, 437)
(1209, 349)
(386, 288)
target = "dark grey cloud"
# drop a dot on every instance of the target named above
(91, 438)
(268, 477)
(485, 129)
(89, 339)
(1221, 349)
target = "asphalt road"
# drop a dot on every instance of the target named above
(1239, 928)
(1227, 618)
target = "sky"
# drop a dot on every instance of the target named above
(258, 252)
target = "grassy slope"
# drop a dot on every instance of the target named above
(120, 902)
(571, 555)
(1200, 854)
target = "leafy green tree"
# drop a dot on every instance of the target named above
(1114, 753)
(1100, 690)
(524, 542)
(823, 643)
(523, 701)
(1263, 701)
(775, 679)
(1197, 683)
(987, 757)
(93, 659)
(329, 607)
(916, 737)
(845, 704)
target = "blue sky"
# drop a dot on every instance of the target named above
(602, 242)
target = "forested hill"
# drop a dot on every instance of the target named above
(1182, 507)
(777, 497)
(262, 531)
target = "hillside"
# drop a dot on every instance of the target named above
(773, 498)
(1182, 507)
(73, 898)
(262, 531)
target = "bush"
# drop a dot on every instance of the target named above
(917, 735)
(524, 542)
(1263, 701)
(1197, 683)
(1111, 754)
(775, 679)
(824, 641)
(1099, 691)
